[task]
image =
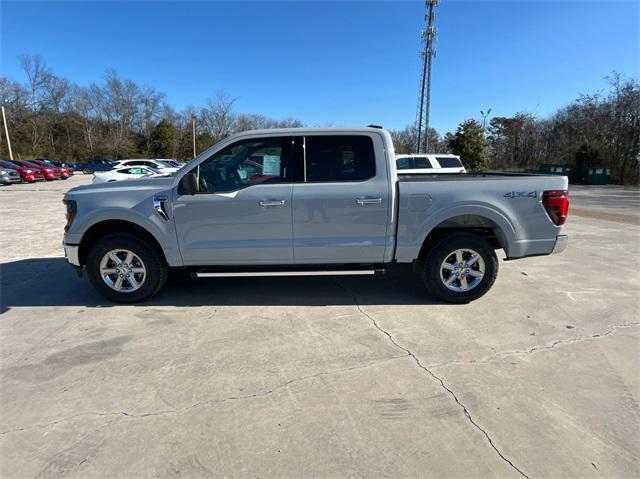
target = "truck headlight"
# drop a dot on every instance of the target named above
(72, 209)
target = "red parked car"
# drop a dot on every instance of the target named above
(27, 174)
(61, 173)
(47, 171)
(65, 166)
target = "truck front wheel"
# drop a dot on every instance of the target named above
(126, 268)
(459, 267)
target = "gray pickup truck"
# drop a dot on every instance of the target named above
(310, 201)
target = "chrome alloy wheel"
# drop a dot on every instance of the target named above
(122, 271)
(462, 270)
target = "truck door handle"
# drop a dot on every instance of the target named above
(272, 203)
(368, 201)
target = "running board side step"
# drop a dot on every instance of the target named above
(230, 274)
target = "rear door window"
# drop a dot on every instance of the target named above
(339, 158)
(449, 162)
(422, 162)
(403, 163)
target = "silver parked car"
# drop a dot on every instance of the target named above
(9, 176)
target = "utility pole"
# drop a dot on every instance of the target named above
(6, 130)
(428, 52)
(193, 132)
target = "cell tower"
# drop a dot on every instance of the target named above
(427, 53)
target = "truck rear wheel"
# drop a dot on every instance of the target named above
(459, 267)
(126, 268)
(87, 171)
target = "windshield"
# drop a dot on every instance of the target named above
(165, 164)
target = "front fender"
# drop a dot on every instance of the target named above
(144, 217)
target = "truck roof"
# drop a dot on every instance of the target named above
(359, 129)
(419, 155)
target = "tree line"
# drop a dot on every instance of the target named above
(595, 130)
(51, 117)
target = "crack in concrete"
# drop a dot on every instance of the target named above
(203, 403)
(533, 349)
(437, 378)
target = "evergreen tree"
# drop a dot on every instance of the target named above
(163, 140)
(469, 144)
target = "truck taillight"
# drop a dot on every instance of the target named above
(556, 203)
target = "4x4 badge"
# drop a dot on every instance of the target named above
(521, 194)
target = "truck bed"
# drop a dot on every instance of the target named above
(508, 203)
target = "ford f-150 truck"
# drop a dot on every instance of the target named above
(310, 201)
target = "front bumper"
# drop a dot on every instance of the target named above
(72, 253)
(561, 244)
(9, 180)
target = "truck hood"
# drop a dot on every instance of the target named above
(148, 185)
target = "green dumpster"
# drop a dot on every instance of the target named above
(598, 176)
(555, 169)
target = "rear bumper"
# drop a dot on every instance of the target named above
(561, 244)
(527, 248)
(72, 253)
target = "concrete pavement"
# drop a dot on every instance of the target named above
(320, 377)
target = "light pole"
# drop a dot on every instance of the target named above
(193, 132)
(6, 129)
(484, 119)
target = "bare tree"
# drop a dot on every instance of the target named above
(119, 108)
(150, 105)
(217, 116)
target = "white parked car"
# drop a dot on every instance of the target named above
(429, 163)
(171, 162)
(163, 167)
(125, 173)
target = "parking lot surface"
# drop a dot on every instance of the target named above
(323, 377)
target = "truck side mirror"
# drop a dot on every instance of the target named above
(188, 184)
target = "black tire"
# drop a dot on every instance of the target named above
(156, 268)
(443, 248)
(87, 171)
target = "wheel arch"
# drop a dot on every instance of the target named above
(478, 224)
(108, 227)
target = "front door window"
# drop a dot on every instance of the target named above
(243, 164)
